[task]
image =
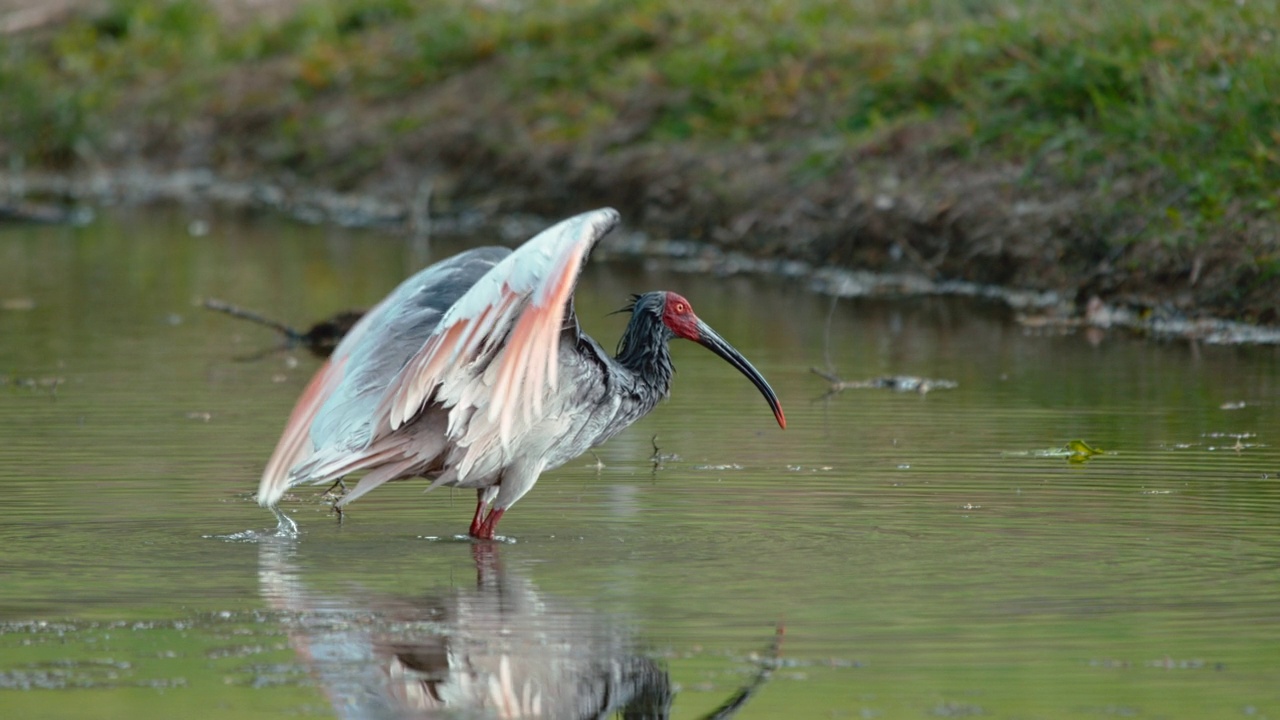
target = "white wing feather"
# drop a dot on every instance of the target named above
(497, 347)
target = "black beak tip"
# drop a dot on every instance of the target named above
(713, 342)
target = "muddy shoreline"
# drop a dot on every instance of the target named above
(411, 211)
(964, 166)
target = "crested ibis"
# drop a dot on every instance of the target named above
(474, 373)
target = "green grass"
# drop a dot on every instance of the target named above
(1182, 97)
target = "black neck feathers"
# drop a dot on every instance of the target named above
(643, 347)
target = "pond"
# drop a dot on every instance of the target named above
(890, 554)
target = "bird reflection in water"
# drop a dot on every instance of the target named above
(500, 649)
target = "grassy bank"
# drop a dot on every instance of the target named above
(1121, 149)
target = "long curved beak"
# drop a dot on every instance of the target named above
(712, 341)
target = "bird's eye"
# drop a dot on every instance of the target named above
(680, 308)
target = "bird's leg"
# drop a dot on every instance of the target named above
(336, 497)
(478, 520)
(490, 523)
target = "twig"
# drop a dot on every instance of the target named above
(239, 312)
(836, 383)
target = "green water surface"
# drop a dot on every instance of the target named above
(922, 558)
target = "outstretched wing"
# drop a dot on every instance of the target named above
(487, 360)
(334, 415)
(512, 317)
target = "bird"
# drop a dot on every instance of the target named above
(474, 373)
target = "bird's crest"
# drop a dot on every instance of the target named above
(629, 307)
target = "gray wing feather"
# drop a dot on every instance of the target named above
(397, 328)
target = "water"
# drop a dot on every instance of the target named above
(921, 554)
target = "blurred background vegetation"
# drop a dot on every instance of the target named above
(1159, 121)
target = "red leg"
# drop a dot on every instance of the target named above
(489, 524)
(477, 521)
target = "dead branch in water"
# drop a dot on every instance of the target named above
(320, 339)
(899, 383)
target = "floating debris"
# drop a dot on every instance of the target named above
(897, 383)
(34, 383)
(17, 304)
(956, 709)
(1076, 451)
(1239, 444)
(1168, 663)
(26, 211)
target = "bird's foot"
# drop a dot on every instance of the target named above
(484, 529)
(332, 492)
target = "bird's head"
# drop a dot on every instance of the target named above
(668, 313)
(674, 314)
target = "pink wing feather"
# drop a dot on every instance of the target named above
(522, 302)
(295, 443)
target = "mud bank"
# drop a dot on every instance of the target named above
(1044, 148)
(414, 211)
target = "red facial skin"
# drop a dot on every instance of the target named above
(678, 315)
